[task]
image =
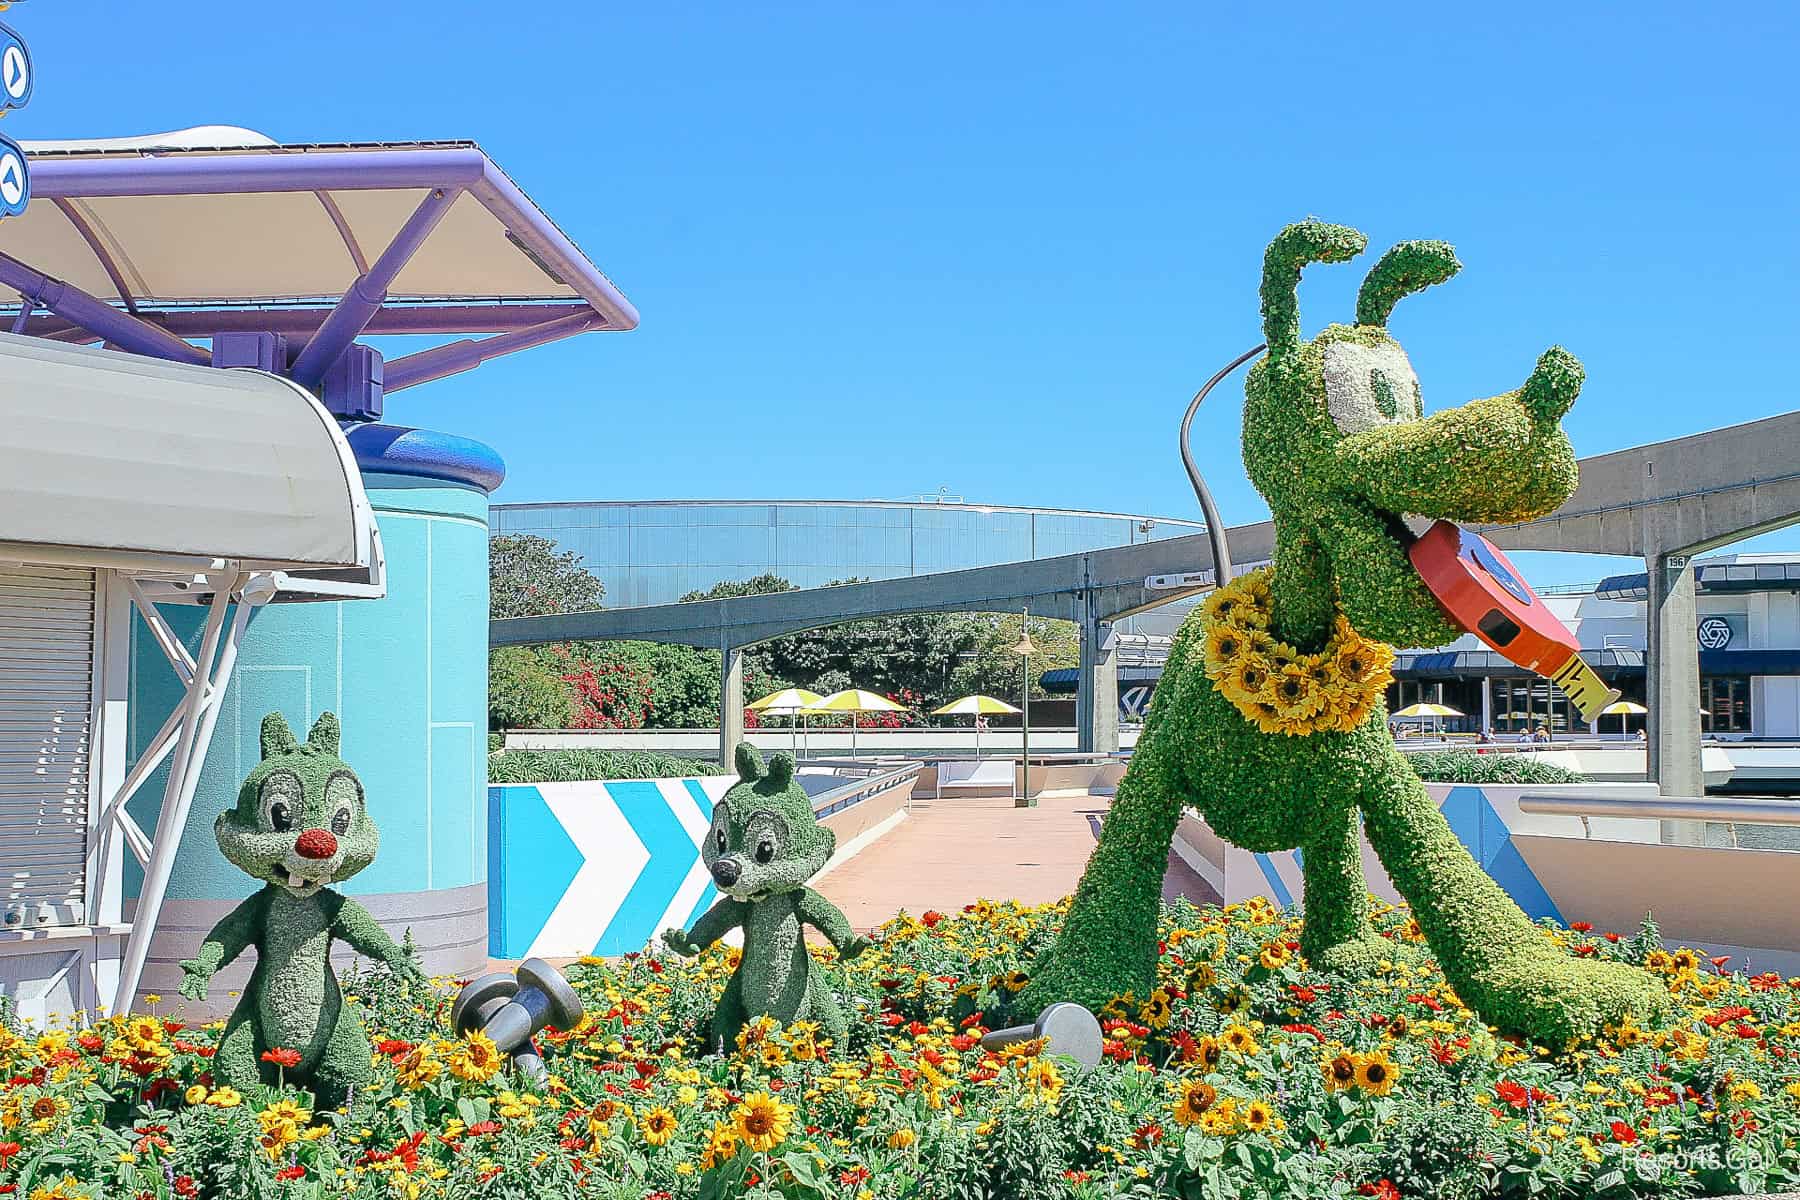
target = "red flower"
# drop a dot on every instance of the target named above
(1383, 1190)
(289, 1174)
(853, 1176)
(282, 1056)
(1582, 926)
(1624, 1134)
(185, 1186)
(481, 1128)
(1512, 1093)
(931, 918)
(7, 1150)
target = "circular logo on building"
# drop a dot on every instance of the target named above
(1714, 633)
(15, 182)
(15, 70)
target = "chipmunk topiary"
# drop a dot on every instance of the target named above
(763, 846)
(300, 823)
(1269, 717)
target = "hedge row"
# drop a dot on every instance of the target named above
(1465, 766)
(566, 766)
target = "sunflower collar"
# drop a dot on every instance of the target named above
(1280, 689)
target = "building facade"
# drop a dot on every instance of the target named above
(656, 551)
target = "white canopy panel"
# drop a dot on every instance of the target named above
(119, 459)
(299, 232)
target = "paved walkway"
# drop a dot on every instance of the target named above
(949, 853)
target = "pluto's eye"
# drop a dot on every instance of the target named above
(281, 818)
(765, 851)
(1385, 402)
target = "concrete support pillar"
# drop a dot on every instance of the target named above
(731, 702)
(1672, 662)
(1097, 697)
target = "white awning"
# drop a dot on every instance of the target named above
(119, 460)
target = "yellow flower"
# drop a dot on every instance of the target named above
(658, 1126)
(1744, 1091)
(476, 1058)
(721, 1146)
(762, 1121)
(1259, 1116)
(1376, 1073)
(1195, 1098)
(901, 1139)
(1274, 955)
(225, 1097)
(1240, 1039)
(1340, 1071)
(195, 1094)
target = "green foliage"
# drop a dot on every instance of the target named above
(991, 668)
(1340, 464)
(526, 691)
(529, 577)
(567, 766)
(300, 824)
(762, 847)
(1465, 766)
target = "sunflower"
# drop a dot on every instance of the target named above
(1246, 682)
(1274, 956)
(1296, 693)
(1208, 1051)
(1240, 1039)
(1223, 645)
(1195, 1098)
(1376, 1073)
(476, 1059)
(1156, 1010)
(762, 1121)
(1258, 1116)
(658, 1126)
(1340, 1071)
(721, 1146)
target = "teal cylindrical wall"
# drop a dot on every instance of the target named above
(407, 676)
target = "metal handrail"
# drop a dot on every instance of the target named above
(1663, 808)
(858, 790)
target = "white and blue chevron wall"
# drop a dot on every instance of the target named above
(596, 868)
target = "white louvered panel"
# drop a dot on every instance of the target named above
(46, 720)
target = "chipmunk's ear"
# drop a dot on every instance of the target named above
(1407, 268)
(781, 770)
(749, 763)
(1309, 241)
(277, 738)
(326, 733)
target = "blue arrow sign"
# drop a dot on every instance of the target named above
(15, 180)
(16, 75)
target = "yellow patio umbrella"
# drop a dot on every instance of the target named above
(977, 706)
(1623, 709)
(853, 701)
(1428, 709)
(791, 701)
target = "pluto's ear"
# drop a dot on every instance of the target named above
(749, 763)
(781, 770)
(277, 738)
(1408, 268)
(325, 733)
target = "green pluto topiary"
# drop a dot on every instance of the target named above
(763, 846)
(300, 823)
(1336, 441)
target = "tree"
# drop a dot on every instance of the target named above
(524, 692)
(991, 668)
(529, 577)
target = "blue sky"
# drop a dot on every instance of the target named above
(994, 248)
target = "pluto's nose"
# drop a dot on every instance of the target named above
(726, 871)
(316, 843)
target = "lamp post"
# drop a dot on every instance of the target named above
(1025, 648)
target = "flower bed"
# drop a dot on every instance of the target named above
(1245, 1074)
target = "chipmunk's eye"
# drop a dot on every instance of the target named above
(720, 840)
(765, 851)
(281, 818)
